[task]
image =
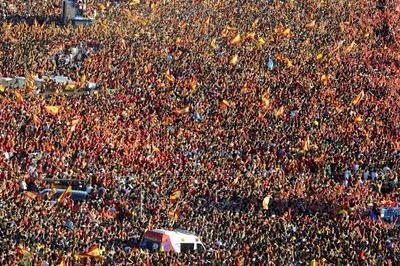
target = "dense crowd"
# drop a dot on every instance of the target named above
(226, 101)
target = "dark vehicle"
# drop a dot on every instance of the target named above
(76, 195)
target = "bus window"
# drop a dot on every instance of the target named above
(200, 248)
(185, 247)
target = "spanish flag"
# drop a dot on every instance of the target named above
(265, 99)
(53, 191)
(358, 119)
(350, 47)
(311, 24)
(18, 97)
(265, 202)
(226, 103)
(36, 120)
(286, 32)
(236, 40)
(279, 112)
(155, 148)
(169, 76)
(306, 144)
(93, 252)
(52, 109)
(33, 195)
(260, 42)
(324, 79)
(184, 110)
(21, 251)
(193, 83)
(70, 87)
(174, 214)
(147, 68)
(234, 60)
(175, 195)
(235, 181)
(251, 35)
(66, 194)
(74, 123)
(358, 98)
(30, 82)
(213, 43)
(63, 262)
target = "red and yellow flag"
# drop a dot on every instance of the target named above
(67, 193)
(236, 40)
(93, 252)
(234, 60)
(19, 97)
(169, 76)
(184, 110)
(175, 195)
(33, 195)
(193, 82)
(21, 251)
(358, 98)
(279, 112)
(311, 24)
(51, 109)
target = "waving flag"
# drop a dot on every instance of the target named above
(93, 252)
(52, 109)
(236, 40)
(21, 251)
(19, 97)
(213, 43)
(358, 98)
(33, 195)
(67, 193)
(265, 202)
(234, 60)
(175, 195)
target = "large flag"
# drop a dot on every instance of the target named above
(175, 195)
(67, 193)
(358, 98)
(52, 109)
(93, 252)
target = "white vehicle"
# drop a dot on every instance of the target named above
(171, 241)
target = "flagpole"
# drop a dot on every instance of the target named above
(141, 201)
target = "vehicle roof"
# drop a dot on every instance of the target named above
(177, 235)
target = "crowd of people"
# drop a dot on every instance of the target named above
(227, 102)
